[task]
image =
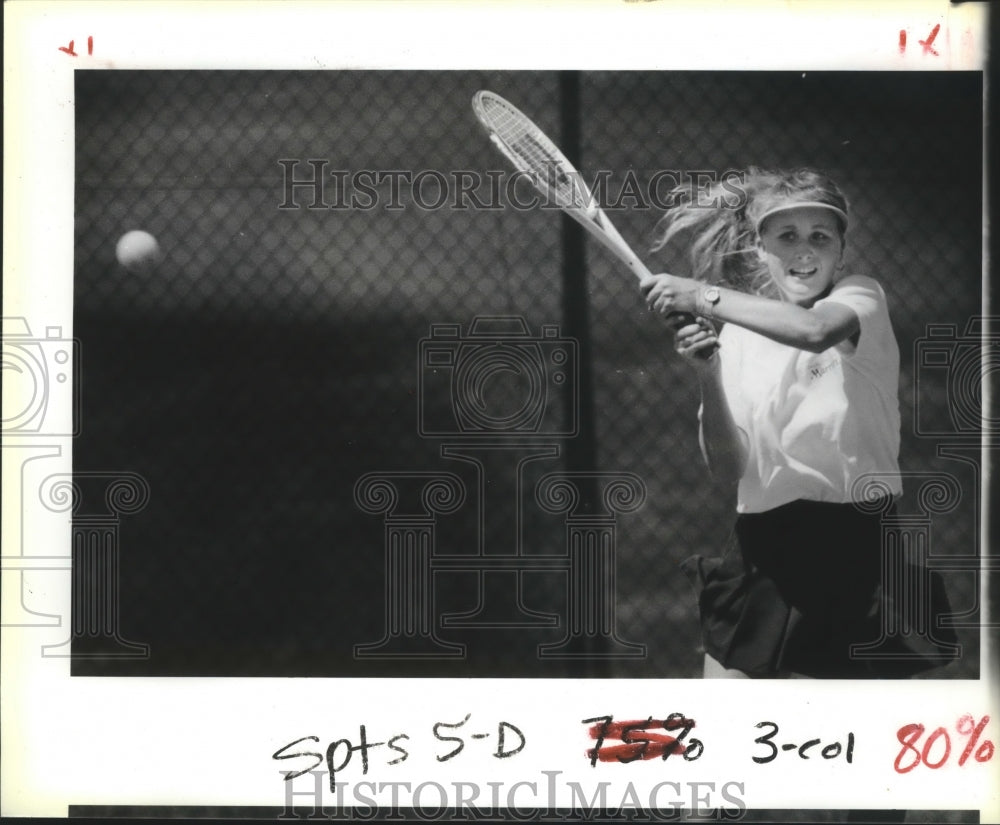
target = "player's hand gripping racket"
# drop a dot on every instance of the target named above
(527, 147)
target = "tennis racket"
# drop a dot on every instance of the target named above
(532, 153)
(539, 159)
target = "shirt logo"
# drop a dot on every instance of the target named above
(820, 370)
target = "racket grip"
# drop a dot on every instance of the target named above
(676, 320)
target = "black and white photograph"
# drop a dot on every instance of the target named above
(396, 415)
(571, 382)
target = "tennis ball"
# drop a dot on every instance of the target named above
(138, 251)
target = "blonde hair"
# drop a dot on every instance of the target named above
(723, 236)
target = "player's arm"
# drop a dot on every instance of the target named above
(814, 329)
(723, 444)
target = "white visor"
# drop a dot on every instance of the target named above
(785, 205)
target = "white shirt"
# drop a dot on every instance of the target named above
(816, 422)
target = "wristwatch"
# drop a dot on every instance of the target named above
(710, 296)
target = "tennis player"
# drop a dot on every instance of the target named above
(798, 401)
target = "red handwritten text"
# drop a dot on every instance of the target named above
(70, 49)
(937, 747)
(640, 741)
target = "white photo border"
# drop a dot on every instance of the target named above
(209, 742)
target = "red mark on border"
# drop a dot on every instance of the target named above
(968, 726)
(931, 754)
(929, 42)
(70, 50)
(902, 40)
(638, 742)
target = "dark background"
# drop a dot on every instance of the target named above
(271, 360)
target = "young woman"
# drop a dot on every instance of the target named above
(799, 405)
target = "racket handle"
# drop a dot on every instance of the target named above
(676, 320)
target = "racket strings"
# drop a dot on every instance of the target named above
(534, 155)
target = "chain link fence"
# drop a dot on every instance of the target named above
(329, 241)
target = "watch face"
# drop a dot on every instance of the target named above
(712, 294)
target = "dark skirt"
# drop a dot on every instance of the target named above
(801, 585)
